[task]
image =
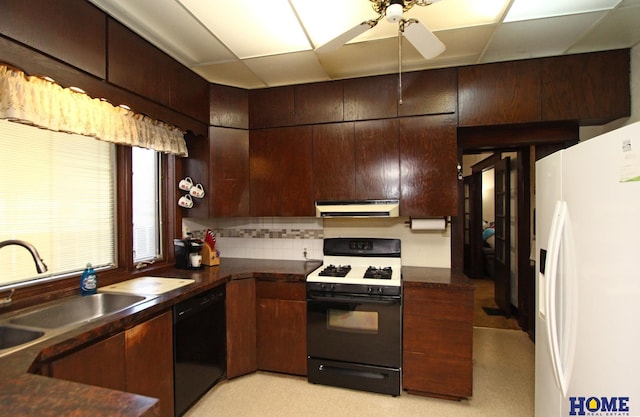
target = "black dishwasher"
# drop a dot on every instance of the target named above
(199, 346)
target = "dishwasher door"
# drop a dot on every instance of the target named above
(199, 347)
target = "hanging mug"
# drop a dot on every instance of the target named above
(185, 201)
(185, 184)
(197, 191)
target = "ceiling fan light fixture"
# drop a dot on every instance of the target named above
(394, 11)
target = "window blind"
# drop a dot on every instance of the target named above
(57, 193)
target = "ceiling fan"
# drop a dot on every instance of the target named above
(425, 42)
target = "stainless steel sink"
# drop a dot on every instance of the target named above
(76, 310)
(14, 336)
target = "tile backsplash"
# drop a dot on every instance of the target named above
(293, 238)
(300, 238)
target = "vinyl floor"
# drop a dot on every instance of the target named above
(503, 381)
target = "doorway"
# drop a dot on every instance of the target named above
(530, 142)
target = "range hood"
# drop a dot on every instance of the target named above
(358, 208)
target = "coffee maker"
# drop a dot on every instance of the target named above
(187, 253)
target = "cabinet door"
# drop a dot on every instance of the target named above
(428, 166)
(101, 364)
(333, 162)
(429, 92)
(281, 327)
(229, 171)
(592, 88)
(149, 360)
(377, 159)
(241, 327)
(438, 341)
(281, 172)
(502, 93)
(371, 97)
(271, 107)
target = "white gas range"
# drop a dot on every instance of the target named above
(358, 266)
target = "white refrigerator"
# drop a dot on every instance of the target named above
(587, 349)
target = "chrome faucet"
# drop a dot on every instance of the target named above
(40, 266)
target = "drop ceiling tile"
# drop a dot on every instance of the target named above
(170, 27)
(453, 14)
(527, 9)
(234, 74)
(618, 29)
(325, 20)
(251, 28)
(367, 58)
(294, 68)
(536, 38)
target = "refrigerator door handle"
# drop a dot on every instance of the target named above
(558, 230)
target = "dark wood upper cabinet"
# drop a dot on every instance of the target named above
(72, 31)
(429, 92)
(333, 162)
(377, 166)
(371, 97)
(319, 102)
(229, 181)
(271, 107)
(189, 93)
(502, 93)
(228, 106)
(136, 65)
(428, 166)
(592, 88)
(140, 67)
(281, 163)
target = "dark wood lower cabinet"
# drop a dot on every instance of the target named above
(241, 327)
(138, 360)
(281, 323)
(102, 364)
(438, 342)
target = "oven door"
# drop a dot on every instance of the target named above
(359, 329)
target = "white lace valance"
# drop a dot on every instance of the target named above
(45, 104)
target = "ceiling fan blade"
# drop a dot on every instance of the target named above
(336, 43)
(423, 39)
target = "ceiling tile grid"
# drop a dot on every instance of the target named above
(256, 43)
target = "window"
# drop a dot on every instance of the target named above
(146, 205)
(57, 192)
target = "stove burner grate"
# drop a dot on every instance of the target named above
(378, 273)
(335, 271)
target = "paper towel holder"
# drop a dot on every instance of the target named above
(428, 223)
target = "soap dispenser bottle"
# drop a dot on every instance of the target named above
(88, 281)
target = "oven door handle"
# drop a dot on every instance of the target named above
(372, 299)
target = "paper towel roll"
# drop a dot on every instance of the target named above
(428, 224)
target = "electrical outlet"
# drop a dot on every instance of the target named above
(304, 253)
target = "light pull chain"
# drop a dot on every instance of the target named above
(400, 33)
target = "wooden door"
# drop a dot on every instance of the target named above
(101, 364)
(473, 258)
(149, 360)
(241, 327)
(503, 236)
(333, 162)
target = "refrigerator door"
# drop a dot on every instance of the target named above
(605, 220)
(548, 397)
(592, 304)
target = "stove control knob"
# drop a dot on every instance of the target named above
(380, 290)
(369, 290)
(333, 287)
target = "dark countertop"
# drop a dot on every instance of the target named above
(28, 395)
(415, 276)
(23, 393)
